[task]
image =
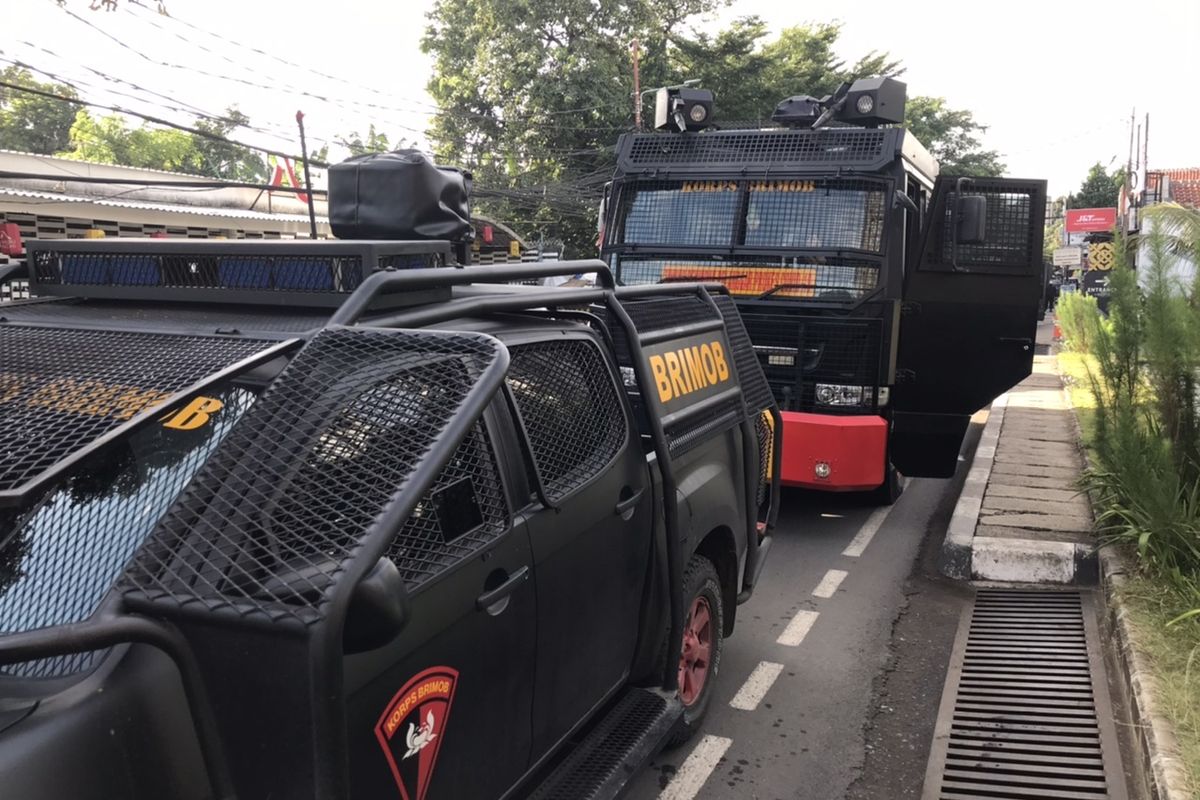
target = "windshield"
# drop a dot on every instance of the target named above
(826, 214)
(59, 557)
(828, 234)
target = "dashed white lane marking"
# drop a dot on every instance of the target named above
(694, 771)
(830, 583)
(863, 538)
(797, 629)
(756, 686)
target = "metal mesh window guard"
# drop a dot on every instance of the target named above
(571, 411)
(815, 215)
(65, 553)
(267, 526)
(681, 212)
(60, 390)
(824, 278)
(1009, 234)
(428, 545)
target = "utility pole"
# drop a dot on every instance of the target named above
(312, 211)
(637, 87)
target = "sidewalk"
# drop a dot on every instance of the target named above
(1021, 517)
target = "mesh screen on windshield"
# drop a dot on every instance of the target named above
(829, 279)
(60, 390)
(826, 214)
(61, 557)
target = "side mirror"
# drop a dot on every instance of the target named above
(378, 609)
(970, 214)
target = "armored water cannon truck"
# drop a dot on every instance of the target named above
(886, 302)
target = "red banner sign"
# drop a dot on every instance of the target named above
(1090, 220)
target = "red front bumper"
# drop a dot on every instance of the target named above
(854, 448)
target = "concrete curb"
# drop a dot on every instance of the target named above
(956, 556)
(965, 556)
(1157, 745)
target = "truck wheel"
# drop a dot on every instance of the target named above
(890, 490)
(703, 638)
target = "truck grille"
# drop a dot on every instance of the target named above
(798, 352)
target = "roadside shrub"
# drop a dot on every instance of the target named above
(1147, 470)
(1079, 318)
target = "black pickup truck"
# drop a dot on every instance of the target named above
(324, 520)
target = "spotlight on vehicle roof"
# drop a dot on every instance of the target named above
(867, 102)
(874, 101)
(683, 109)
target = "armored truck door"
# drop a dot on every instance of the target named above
(968, 316)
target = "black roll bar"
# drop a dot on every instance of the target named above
(111, 626)
(394, 279)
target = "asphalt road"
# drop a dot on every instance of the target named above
(830, 684)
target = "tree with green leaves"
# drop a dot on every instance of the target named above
(374, 142)
(533, 94)
(110, 140)
(952, 136)
(32, 123)
(1100, 189)
(219, 159)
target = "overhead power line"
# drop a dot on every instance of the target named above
(216, 183)
(158, 121)
(358, 85)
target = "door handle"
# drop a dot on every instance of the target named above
(487, 600)
(1021, 340)
(625, 506)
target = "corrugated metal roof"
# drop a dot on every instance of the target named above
(201, 211)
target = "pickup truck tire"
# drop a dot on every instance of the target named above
(703, 639)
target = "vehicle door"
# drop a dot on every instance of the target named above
(591, 550)
(968, 318)
(443, 711)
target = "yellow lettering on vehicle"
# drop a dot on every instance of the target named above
(659, 368)
(92, 398)
(678, 373)
(195, 414)
(719, 357)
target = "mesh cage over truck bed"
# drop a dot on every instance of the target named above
(269, 524)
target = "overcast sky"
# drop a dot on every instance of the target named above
(1055, 81)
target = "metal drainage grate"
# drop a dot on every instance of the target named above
(1026, 713)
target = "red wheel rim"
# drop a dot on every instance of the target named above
(695, 658)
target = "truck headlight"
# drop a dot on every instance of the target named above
(837, 394)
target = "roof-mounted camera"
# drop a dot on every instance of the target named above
(868, 102)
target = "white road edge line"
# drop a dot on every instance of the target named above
(863, 538)
(798, 628)
(694, 771)
(756, 686)
(830, 583)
